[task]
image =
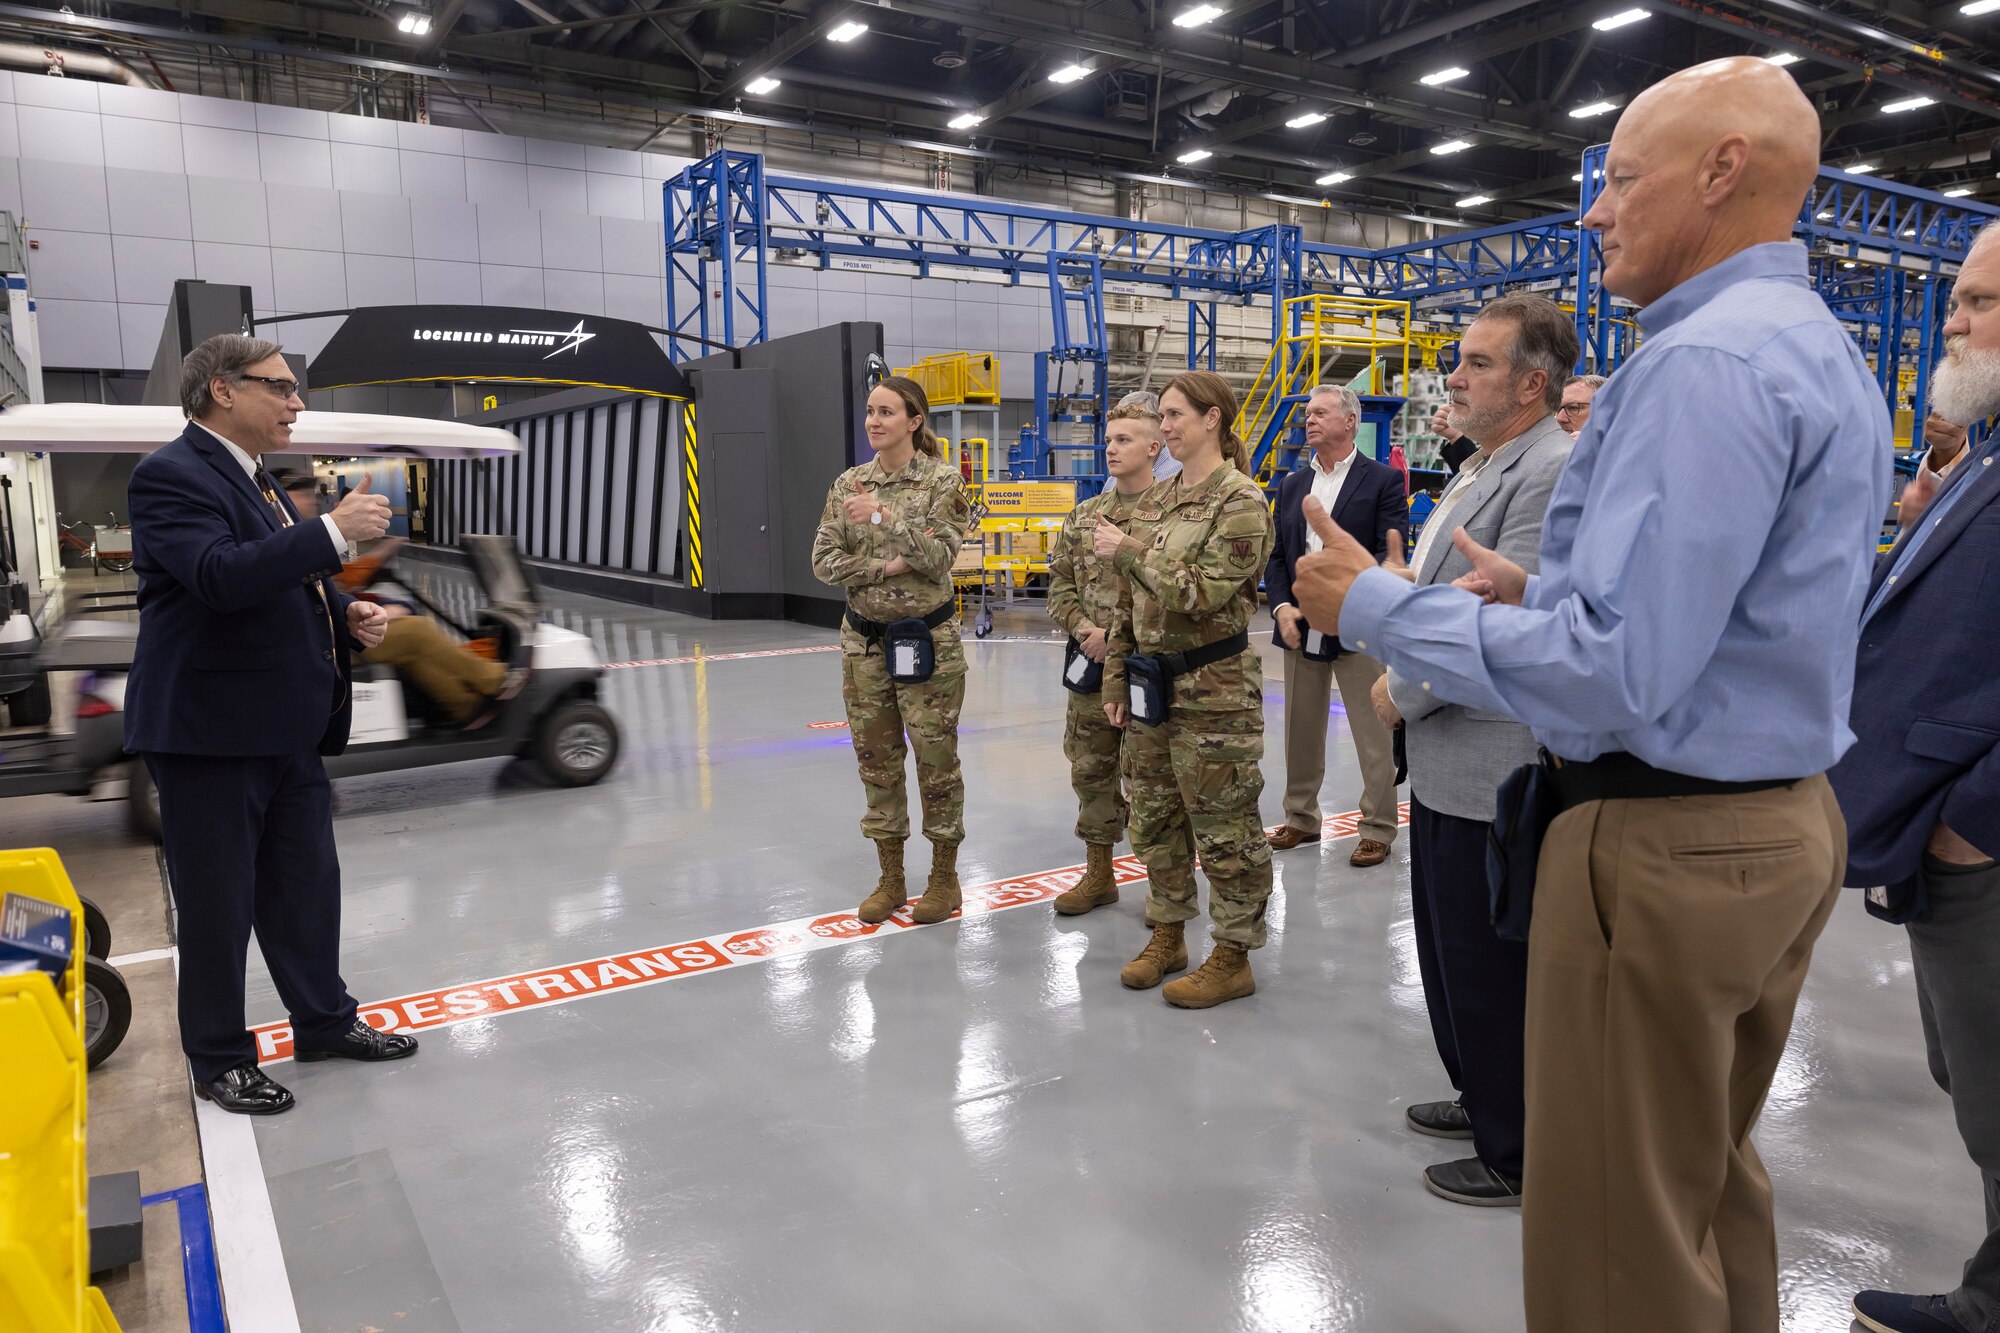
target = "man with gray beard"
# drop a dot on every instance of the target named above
(1921, 787)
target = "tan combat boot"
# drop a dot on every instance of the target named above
(1225, 976)
(1165, 952)
(1097, 888)
(890, 893)
(941, 896)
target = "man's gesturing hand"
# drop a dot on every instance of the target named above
(1287, 621)
(362, 515)
(1324, 576)
(367, 622)
(1505, 581)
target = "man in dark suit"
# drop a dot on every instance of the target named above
(239, 684)
(1921, 787)
(1367, 499)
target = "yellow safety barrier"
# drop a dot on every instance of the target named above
(950, 378)
(1326, 324)
(44, 1188)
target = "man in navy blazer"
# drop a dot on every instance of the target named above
(1368, 500)
(1921, 787)
(239, 684)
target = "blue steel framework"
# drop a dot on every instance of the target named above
(725, 216)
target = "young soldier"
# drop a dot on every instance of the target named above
(1084, 592)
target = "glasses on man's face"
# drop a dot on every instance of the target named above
(284, 388)
(1571, 409)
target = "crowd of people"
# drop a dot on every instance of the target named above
(1656, 699)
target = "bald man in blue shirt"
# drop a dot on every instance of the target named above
(1686, 654)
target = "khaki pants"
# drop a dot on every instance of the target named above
(1669, 942)
(1308, 692)
(438, 665)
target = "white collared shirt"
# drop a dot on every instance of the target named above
(1326, 489)
(250, 465)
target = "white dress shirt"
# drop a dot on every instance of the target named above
(1439, 523)
(1326, 489)
(344, 547)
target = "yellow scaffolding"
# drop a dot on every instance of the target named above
(957, 377)
(1322, 328)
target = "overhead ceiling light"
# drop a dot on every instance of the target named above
(1847, 263)
(1590, 109)
(414, 23)
(1783, 58)
(1958, 192)
(1069, 73)
(1200, 14)
(1578, 178)
(1194, 155)
(1923, 277)
(1860, 168)
(1979, 7)
(1448, 148)
(1443, 76)
(1907, 104)
(1475, 200)
(1334, 178)
(965, 120)
(1306, 121)
(1825, 217)
(847, 31)
(1620, 20)
(760, 85)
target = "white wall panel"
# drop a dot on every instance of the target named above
(150, 145)
(64, 196)
(147, 267)
(72, 266)
(148, 203)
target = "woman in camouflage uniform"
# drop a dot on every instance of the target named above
(888, 535)
(1084, 597)
(1194, 587)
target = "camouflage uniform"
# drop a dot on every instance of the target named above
(1194, 581)
(924, 519)
(1084, 590)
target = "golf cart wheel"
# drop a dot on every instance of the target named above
(576, 743)
(107, 1011)
(96, 931)
(142, 801)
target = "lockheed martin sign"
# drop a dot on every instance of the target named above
(406, 344)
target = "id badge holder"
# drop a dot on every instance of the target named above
(911, 653)
(1146, 682)
(1080, 674)
(1318, 647)
(1900, 903)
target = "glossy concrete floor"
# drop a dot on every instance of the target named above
(966, 1127)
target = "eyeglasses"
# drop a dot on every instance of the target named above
(1571, 409)
(285, 388)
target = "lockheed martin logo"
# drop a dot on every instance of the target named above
(562, 340)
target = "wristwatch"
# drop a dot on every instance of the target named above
(876, 518)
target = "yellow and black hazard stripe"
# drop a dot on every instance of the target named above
(693, 469)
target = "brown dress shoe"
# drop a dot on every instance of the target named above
(1288, 837)
(1369, 852)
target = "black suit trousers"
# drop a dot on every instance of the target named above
(249, 847)
(1475, 983)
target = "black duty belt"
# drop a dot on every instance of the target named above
(1194, 659)
(872, 630)
(1626, 777)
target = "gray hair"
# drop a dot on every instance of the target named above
(225, 356)
(1350, 402)
(1544, 339)
(1595, 382)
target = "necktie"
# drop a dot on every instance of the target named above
(270, 490)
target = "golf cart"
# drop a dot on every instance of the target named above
(554, 719)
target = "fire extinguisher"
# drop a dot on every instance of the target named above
(965, 460)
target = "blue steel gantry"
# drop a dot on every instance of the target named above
(1883, 257)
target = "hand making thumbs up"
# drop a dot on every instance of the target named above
(362, 515)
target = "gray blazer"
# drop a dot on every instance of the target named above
(1458, 756)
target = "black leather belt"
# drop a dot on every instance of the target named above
(1625, 777)
(1194, 659)
(872, 630)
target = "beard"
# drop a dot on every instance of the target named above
(1477, 426)
(1966, 388)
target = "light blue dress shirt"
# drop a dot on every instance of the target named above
(1705, 555)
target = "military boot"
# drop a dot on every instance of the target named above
(890, 892)
(941, 896)
(1097, 888)
(1165, 952)
(1225, 976)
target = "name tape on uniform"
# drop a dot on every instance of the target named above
(715, 953)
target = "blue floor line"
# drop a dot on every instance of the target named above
(204, 1286)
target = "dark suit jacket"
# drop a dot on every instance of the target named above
(1926, 710)
(1371, 502)
(233, 655)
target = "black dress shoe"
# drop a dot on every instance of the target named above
(1440, 1120)
(359, 1042)
(245, 1090)
(1470, 1180)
